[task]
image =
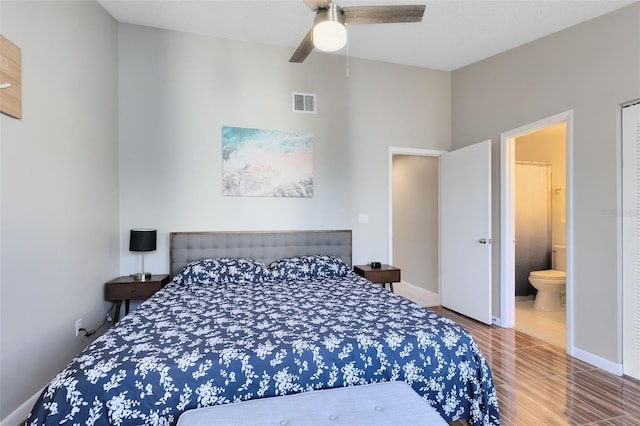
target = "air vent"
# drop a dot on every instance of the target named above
(304, 102)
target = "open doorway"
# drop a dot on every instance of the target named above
(413, 222)
(540, 231)
(536, 279)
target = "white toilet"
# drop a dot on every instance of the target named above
(551, 283)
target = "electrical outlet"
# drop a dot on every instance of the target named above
(78, 326)
(109, 319)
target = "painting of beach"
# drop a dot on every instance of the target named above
(266, 163)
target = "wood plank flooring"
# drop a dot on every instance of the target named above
(538, 384)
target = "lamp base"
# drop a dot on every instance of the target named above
(141, 276)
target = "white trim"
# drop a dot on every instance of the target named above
(596, 361)
(419, 295)
(625, 266)
(507, 232)
(630, 103)
(21, 413)
(507, 286)
(401, 151)
(619, 231)
(416, 151)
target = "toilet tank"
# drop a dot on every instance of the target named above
(559, 257)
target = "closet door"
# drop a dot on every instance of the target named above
(631, 239)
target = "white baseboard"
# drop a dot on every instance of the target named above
(596, 361)
(416, 294)
(20, 414)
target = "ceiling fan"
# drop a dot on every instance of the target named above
(329, 32)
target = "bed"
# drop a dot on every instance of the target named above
(261, 314)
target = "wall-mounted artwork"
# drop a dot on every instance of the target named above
(266, 163)
(10, 78)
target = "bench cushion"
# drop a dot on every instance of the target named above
(385, 403)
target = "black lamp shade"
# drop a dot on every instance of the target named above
(142, 239)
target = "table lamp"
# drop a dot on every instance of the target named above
(142, 240)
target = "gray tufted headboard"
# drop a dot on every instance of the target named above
(266, 246)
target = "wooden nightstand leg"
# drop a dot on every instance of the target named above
(126, 307)
(384, 285)
(116, 315)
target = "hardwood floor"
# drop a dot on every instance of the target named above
(538, 384)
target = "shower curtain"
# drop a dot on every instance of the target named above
(532, 223)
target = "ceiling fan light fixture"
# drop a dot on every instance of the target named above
(329, 33)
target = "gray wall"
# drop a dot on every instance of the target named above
(591, 68)
(68, 204)
(176, 92)
(122, 128)
(415, 219)
(59, 222)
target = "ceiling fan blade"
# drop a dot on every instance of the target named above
(317, 4)
(303, 50)
(382, 14)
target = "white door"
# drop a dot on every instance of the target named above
(465, 231)
(631, 240)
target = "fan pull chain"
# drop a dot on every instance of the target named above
(347, 27)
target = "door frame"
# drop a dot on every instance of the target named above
(507, 219)
(402, 151)
(625, 262)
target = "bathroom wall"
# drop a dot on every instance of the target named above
(549, 145)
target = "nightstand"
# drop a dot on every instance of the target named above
(382, 275)
(127, 289)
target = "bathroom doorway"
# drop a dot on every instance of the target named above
(541, 233)
(536, 233)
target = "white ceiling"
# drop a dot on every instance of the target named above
(453, 33)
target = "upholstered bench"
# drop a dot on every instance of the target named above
(385, 403)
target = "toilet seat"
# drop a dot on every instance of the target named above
(549, 275)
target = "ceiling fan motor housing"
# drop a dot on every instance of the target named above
(332, 13)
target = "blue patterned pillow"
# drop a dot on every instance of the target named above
(222, 270)
(302, 268)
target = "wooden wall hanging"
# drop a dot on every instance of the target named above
(10, 78)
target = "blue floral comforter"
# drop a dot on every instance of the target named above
(196, 346)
